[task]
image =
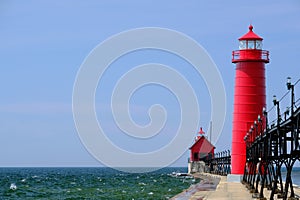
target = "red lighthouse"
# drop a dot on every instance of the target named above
(249, 93)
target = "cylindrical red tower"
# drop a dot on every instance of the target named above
(249, 93)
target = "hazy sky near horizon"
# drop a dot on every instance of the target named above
(43, 44)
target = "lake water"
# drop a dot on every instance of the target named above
(95, 183)
(89, 183)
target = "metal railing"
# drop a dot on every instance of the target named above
(219, 163)
(240, 55)
(269, 149)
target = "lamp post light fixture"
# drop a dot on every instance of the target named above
(286, 113)
(265, 111)
(259, 118)
(287, 110)
(288, 82)
(247, 137)
(253, 132)
(255, 127)
(275, 102)
(261, 125)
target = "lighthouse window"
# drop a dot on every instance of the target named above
(258, 44)
(242, 44)
(251, 44)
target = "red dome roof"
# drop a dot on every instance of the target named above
(250, 35)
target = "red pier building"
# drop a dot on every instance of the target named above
(202, 148)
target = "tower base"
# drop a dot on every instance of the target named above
(235, 178)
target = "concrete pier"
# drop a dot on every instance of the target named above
(215, 187)
(224, 191)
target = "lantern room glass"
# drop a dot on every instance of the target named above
(258, 44)
(250, 44)
(243, 44)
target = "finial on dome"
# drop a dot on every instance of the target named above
(201, 132)
(250, 27)
(250, 35)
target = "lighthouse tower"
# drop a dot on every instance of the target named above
(249, 93)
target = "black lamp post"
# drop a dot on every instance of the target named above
(261, 125)
(265, 113)
(261, 135)
(276, 103)
(256, 129)
(290, 86)
(253, 133)
(246, 140)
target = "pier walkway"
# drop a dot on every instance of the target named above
(215, 187)
(224, 191)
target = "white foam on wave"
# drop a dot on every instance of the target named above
(13, 186)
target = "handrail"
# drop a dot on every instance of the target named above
(250, 54)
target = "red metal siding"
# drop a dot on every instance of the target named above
(249, 100)
(201, 146)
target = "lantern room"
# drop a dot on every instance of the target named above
(250, 40)
(250, 48)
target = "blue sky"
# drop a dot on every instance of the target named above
(43, 44)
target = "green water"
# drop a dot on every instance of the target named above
(89, 183)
